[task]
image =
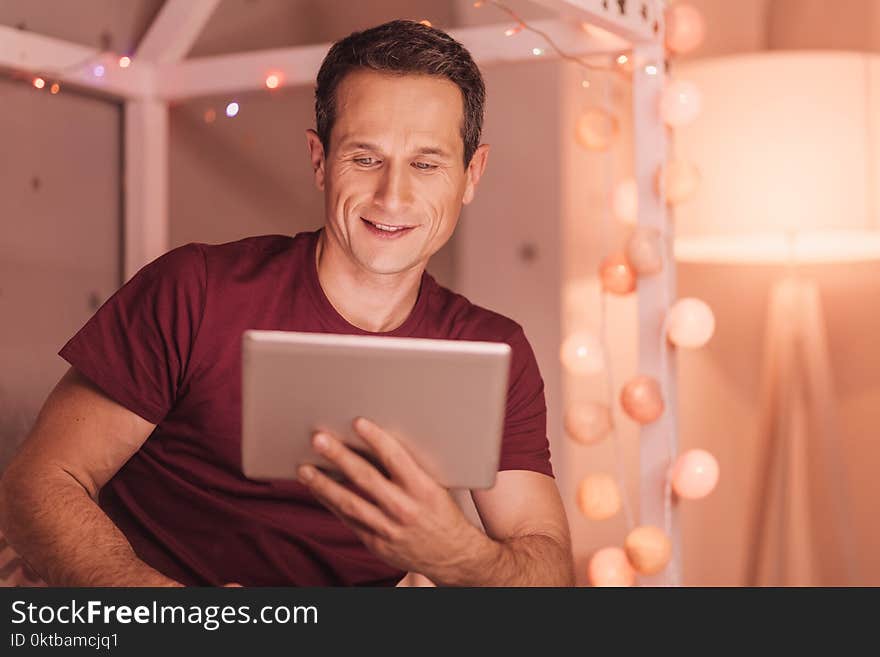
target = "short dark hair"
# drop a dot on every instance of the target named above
(402, 47)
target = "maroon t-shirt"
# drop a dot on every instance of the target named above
(167, 346)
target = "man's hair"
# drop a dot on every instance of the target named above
(402, 48)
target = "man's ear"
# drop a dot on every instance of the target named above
(316, 154)
(475, 172)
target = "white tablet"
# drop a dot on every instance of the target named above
(443, 399)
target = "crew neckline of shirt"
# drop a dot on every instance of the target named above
(337, 321)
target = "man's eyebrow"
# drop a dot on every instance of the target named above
(367, 146)
(433, 150)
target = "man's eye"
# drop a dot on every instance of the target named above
(365, 161)
(424, 166)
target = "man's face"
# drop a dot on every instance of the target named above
(394, 180)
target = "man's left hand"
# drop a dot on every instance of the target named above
(410, 521)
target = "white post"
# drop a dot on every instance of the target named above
(145, 229)
(658, 440)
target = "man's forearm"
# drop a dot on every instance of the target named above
(61, 532)
(533, 560)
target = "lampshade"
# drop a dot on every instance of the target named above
(788, 145)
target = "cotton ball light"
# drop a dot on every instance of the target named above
(694, 474)
(617, 275)
(685, 28)
(644, 251)
(642, 399)
(596, 129)
(678, 181)
(610, 567)
(598, 497)
(648, 549)
(582, 353)
(588, 422)
(625, 201)
(680, 103)
(690, 323)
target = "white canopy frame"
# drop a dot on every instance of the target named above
(159, 74)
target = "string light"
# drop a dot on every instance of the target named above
(55, 88)
(537, 52)
(39, 83)
(513, 30)
(98, 71)
(623, 59)
(210, 115)
(232, 109)
(651, 69)
(124, 61)
(273, 80)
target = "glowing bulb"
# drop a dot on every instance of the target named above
(232, 109)
(537, 51)
(582, 353)
(39, 83)
(694, 474)
(690, 323)
(585, 84)
(610, 567)
(55, 88)
(273, 80)
(617, 275)
(623, 59)
(685, 28)
(124, 61)
(598, 497)
(642, 400)
(513, 30)
(648, 549)
(650, 69)
(588, 423)
(596, 129)
(99, 71)
(681, 103)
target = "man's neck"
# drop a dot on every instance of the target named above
(371, 302)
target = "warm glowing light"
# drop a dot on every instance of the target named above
(537, 51)
(232, 109)
(516, 29)
(650, 69)
(585, 84)
(426, 22)
(588, 422)
(610, 567)
(210, 116)
(581, 353)
(598, 497)
(617, 275)
(623, 59)
(685, 28)
(273, 80)
(39, 83)
(690, 323)
(596, 129)
(124, 61)
(642, 400)
(694, 474)
(681, 103)
(625, 201)
(55, 88)
(648, 549)
(98, 71)
(679, 181)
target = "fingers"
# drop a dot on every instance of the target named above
(364, 475)
(393, 455)
(348, 506)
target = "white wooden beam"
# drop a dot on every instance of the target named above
(658, 442)
(71, 63)
(633, 20)
(146, 225)
(243, 72)
(175, 30)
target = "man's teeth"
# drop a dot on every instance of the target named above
(390, 229)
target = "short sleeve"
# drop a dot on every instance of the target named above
(137, 346)
(525, 445)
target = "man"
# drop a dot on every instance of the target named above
(132, 473)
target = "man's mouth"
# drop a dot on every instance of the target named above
(387, 228)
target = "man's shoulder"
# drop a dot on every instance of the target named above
(465, 320)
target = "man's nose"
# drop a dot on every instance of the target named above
(394, 192)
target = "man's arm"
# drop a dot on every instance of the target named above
(413, 523)
(48, 492)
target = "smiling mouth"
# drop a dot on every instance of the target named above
(387, 227)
